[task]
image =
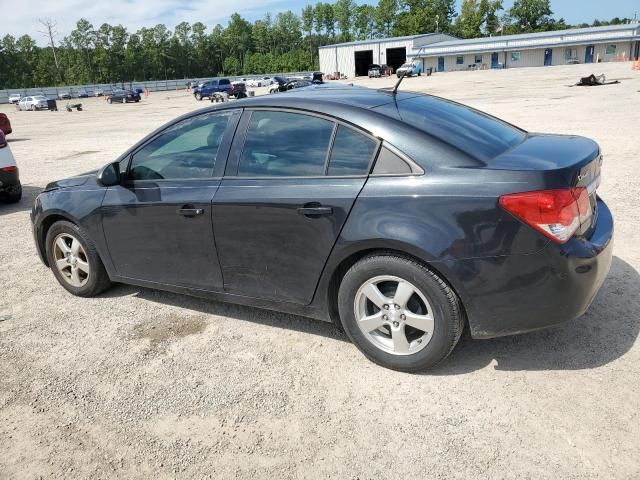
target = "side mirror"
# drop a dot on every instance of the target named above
(109, 175)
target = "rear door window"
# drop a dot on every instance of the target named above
(351, 153)
(284, 144)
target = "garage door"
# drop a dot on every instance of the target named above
(396, 57)
(363, 59)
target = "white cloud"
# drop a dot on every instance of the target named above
(21, 17)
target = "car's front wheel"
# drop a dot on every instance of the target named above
(74, 260)
(399, 313)
(198, 96)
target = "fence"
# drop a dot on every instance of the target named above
(153, 86)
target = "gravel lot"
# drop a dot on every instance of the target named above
(140, 383)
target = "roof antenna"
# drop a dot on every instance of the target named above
(395, 89)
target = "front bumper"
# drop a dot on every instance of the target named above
(519, 293)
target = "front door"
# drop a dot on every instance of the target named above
(283, 203)
(158, 224)
(441, 64)
(548, 57)
(494, 60)
(588, 54)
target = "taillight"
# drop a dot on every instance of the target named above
(555, 213)
(11, 168)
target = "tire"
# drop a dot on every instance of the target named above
(32, 108)
(432, 303)
(15, 196)
(198, 96)
(93, 282)
(109, 101)
(124, 100)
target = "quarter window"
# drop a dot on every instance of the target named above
(283, 144)
(351, 153)
(186, 150)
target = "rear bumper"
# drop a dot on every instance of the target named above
(515, 294)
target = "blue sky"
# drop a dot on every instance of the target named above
(22, 16)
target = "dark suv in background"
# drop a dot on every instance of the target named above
(211, 87)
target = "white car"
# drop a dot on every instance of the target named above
(35, 102)
(14, 98)
(260, 82)
(10, 187)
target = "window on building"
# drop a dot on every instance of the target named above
(459, 60)
(515, 56)
(570, 53)
(611, 49)
(478, 59)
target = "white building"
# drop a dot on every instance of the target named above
(353, 58)
(444, 53)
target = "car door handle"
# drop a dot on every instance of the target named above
(315, 211)
(188, 211)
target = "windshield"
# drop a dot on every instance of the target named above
(476, 133)
(39, 97)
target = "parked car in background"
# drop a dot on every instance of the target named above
(35, 102)
(64, 95)
(10, 187)
(99, 92)
(238, 90)
(346, 205)
(208, 88)
(409, 70)
(279, 85)
(260, 82)
(14, 98)
(82, 94)
(123, 96)
(5, 124)
(374, 71)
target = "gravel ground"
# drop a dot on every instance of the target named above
(140, 383)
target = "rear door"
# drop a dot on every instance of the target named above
(157, 224)
(291, 181)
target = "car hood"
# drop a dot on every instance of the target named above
(71, 181)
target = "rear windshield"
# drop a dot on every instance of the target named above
(478, 134)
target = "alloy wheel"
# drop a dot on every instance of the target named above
(71, 260)
(394, 315)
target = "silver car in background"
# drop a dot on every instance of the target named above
(36, 102)
(14, 98)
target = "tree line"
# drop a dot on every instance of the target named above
(281, 43)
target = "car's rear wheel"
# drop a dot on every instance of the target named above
(399, 313)
(74, 260)
(198, 96)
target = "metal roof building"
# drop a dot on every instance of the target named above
(560, 47)
(354, 58)
(443, 52)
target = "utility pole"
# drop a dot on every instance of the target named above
(50, 32)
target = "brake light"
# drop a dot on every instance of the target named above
(556, 214)
(3, 141)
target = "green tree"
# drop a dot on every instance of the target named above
(531, 15)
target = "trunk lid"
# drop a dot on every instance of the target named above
(557, 161)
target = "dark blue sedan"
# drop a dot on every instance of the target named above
(401, 217)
